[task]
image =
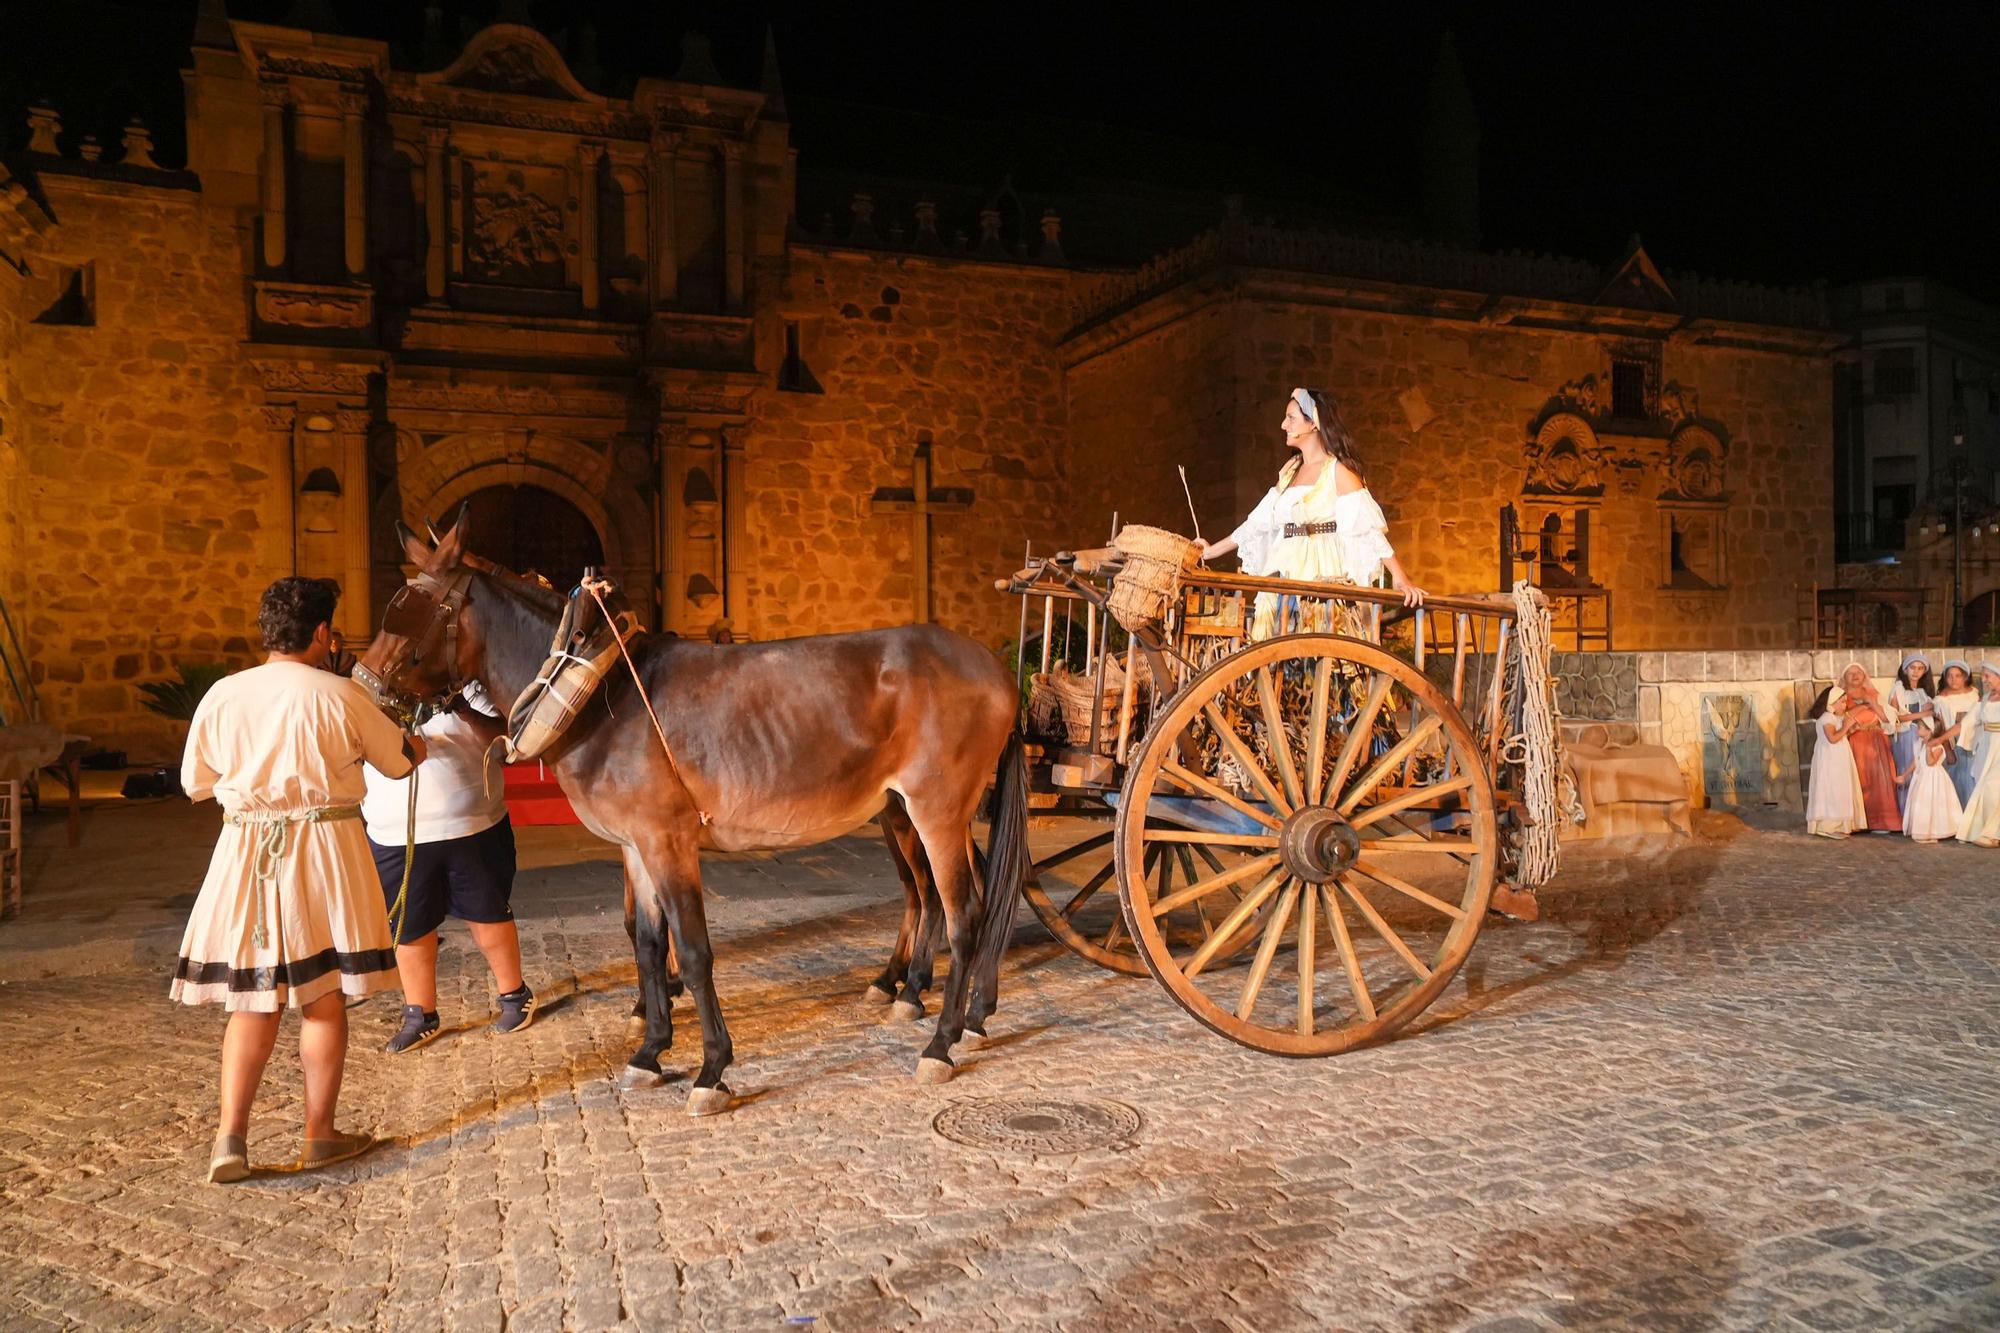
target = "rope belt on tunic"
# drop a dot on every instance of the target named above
(274, 839)
(1311, 529)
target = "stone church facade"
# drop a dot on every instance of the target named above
(376, 293)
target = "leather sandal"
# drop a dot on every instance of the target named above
(229, 1162)
(340, 1148)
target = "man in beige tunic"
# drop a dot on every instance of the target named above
(291, 914)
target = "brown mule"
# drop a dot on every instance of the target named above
(774, 745)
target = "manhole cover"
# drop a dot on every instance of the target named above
(1038, 1124)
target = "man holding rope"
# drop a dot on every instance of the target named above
(463, 864)
(288, 915)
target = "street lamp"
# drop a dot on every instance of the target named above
(1955, 424)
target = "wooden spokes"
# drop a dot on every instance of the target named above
(1072, 889)
(1350, 818)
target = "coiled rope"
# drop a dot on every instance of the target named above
(1546, 785)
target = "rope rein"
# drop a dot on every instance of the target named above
(673, 765)
(400, 911)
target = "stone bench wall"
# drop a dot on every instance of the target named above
(1733, 719)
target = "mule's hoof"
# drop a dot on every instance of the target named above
(972, 1041)
(632, 1076)
(876, 996)
(932, 1070)
(708, 1101)
(905, 1011)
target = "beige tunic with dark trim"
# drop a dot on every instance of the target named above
(292, 906)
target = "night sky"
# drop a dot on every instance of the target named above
(1774, 143)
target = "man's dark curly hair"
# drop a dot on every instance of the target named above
(292, 609)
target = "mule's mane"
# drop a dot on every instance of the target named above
(529, 588)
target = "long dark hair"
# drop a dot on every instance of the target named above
(1819, 704)
(1333, 430)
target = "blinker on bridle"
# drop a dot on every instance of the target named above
(424, 615)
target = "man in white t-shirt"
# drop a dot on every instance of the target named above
(463, 866)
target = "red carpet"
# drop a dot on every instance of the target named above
(533, 797)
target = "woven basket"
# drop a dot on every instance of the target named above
(1073, 693)
(1150, 581)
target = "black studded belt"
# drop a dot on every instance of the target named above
(1311, 529)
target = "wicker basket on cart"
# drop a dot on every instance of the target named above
(1071, 694)
(1146, 588)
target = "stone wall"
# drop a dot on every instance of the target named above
(1138, 410)
(900, 347)
(1734, 719)
(12, 541)
(152, 512)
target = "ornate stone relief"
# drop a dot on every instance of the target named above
(315, 377)
(1564, 458)
(1695, 465)
(1679, 403)
(513, 69)
(314, 307)
(516, 236)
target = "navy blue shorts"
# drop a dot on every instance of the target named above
(471, 878)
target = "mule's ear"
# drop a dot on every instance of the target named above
(451, 546)
(415, 547)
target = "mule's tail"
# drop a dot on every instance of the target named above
(1006, 869)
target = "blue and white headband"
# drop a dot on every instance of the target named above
(1959, 662)
(1915, 657)
(1306, 405)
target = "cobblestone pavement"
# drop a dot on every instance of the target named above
(1742, 1082)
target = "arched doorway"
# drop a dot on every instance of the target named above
(527, 528)
(1981, 614)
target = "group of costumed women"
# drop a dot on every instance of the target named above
(1921, 757)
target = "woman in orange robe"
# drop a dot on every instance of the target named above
(1868, 736)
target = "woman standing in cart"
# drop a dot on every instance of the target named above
(1318, 523)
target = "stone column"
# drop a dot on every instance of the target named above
(454, 210)
(663, 265)
(354, 180)
(732, 224)
(670, 445)
(588, 156)
(735, 529)
(357, 571)
(435, 139)
(276, 98)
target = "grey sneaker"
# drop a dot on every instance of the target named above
(517, 1010)
(419, 1028)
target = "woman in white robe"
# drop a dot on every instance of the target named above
(1909, 703)
(1319, 523)
(1834, 806)
(1980, 823)
(1956, 696)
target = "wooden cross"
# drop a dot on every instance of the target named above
(919, 500)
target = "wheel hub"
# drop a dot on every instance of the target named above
(1318, 844)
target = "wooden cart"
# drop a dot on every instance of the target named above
(1306, 831)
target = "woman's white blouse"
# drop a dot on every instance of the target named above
(1903, 699)
(1360, 542)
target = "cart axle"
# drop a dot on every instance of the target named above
(1318, 844)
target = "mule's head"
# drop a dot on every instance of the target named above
(422, 656)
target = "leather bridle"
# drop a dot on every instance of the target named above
(424, 615)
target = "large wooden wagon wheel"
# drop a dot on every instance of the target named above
(1073, 889)
(1360, 813)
